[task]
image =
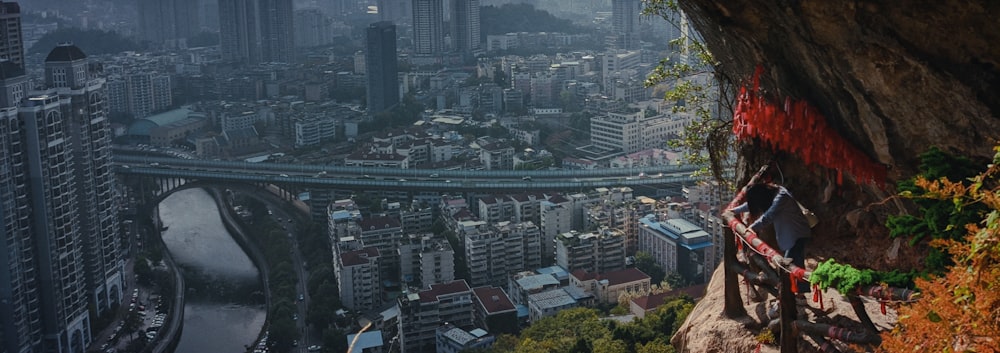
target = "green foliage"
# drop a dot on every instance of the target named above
(402, 115)
(644, 262)
(334, 341)
(91, 41)
(583, 330)
(707, 141)
(936, 218)
(510, 18)
(845, 278)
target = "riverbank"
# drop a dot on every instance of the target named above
(174, 323)
(253, 252)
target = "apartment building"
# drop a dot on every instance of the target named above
(421, 313)
(358, 279)
(599, 251)
(426, 259)
(607, 287)
(493, 252)
(678, 246)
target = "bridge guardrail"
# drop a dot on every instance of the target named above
(415, 173)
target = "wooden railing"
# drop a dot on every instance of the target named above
(764, 269)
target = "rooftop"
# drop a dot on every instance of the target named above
(65, 52)
(439, 289)
(368, 339)
(551, 299)
(358, 257)
(537, 281)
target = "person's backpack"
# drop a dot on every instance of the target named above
(810, 216)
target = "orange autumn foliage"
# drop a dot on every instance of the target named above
(960, 311)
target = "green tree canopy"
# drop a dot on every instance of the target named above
(522, 18)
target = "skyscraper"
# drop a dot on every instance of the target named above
(59, 249)
(89, 130)
(168, 22)
(428, 26)
(395, 11)
(139, 93)
(625, 23)
(381, 67)
(256, 31)
(465, 26)
(11, 41)
(277, 31)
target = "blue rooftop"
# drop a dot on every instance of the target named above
(537, 281)
(367, 340)
(522, 311)
(556, 271)
(681, 231)
(143, 126)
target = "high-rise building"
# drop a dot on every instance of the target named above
(428, 26)
(312, 28)
(625, 23)
(678, 246)
(381, 67)
(277, 31)
(89, 129)
(421, 313)
(256, 31)
(139, 93)
(11, 41)
(465, 26)
(168, 22)
(396, 11)
(599, 251)
(60, 252)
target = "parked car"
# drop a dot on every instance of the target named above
(314, 348)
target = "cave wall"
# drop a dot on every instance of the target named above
(892, 77)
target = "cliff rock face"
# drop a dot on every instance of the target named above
(892, 77)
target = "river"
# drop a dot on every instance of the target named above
(224, 308)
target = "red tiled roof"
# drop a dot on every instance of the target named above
(358, 257)
(583, 275)
(440, 289)
(493, 299)
(627, 275)
(653, 301)
(557, 198)
(463, 214)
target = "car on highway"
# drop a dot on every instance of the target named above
(283, 175)
(526, 178)
(435, 175)
(314, 348)
(302, 297)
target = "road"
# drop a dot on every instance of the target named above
(291, 225)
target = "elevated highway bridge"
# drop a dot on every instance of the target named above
(372, 178)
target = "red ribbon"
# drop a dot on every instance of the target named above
(818, 296)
